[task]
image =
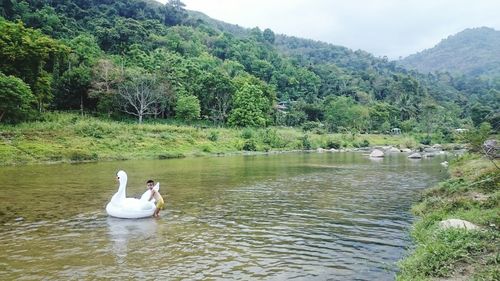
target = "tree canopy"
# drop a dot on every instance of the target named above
(79, 55)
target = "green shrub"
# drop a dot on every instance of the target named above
(81, 155)
(477, 136)
(331, 143)
(271, 138)
(207, 148)
(187, 108)
(427, 140)
(169, 155)
(247, 133)
(306, 143)
(213, 136)
(363, 143)
(311, 125)
(250, 145)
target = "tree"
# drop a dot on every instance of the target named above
(72, 89)
(268, 35)
(16, 99)
(174, 12)
(479, 112)
(31, 56)
(250, 107)
(104, 86)
(429, 117)
(140, 93)
(188, 108)
(343, 113)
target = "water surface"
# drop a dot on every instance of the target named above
(303, 216)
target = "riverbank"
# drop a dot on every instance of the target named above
(67, 137)
(471, 193)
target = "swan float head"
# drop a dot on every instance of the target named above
(130, 208)
(120, 195)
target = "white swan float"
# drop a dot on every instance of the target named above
(130, 208)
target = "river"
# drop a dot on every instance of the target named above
(301, 216)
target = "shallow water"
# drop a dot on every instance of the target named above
(304, 216)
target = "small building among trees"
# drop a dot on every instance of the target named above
(395, 131)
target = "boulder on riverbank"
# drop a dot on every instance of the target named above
(393, 150)
(415, 156)
(457, 223)
(377, 153)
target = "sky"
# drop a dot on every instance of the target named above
(392, 28)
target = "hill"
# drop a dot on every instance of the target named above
(93, 55)
(474, 52)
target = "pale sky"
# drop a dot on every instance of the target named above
(390, 28)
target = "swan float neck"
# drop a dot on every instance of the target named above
(120, 195)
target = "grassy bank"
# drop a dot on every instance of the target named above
(472, 193)
(66, 137)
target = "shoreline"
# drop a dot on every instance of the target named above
(365, 151)
(471, 194)
(70, 138)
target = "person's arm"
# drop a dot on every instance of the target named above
(152, 194)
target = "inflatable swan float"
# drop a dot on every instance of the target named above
(130, 208)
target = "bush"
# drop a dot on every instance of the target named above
(92, 129)
(188, 108)
(306, 143)
(363, 143)
(476, 137)
(271, 138)
(213, 136)
(331, 143)
(247, 133)
(17, 99)
(426, 140)
(81, 155)
(312, 125)
(250, 145)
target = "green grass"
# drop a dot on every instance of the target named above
(472, 193)
(69, 137)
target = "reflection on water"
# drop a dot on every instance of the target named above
(338, 216)
(121, 231)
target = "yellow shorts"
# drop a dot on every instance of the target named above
(160, 205)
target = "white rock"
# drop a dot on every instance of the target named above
(437, 146)
(415, 156)
(377, 153)
(456, 223)
(392, 150)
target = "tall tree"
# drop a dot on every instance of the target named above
(250, 107)
(140, 93)
(104, 86)
(16, 99)
(174, 12)
(31, 56)
(187, 108)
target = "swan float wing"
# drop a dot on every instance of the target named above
(147, 194)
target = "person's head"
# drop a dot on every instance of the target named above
(150, 184)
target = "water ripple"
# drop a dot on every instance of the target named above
(322, 221)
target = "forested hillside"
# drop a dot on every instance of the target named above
(149, 60)
(473, 52)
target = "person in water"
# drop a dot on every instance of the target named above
(160, 203)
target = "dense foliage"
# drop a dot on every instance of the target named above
(152, 60)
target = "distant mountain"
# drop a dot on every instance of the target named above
(474, 52)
